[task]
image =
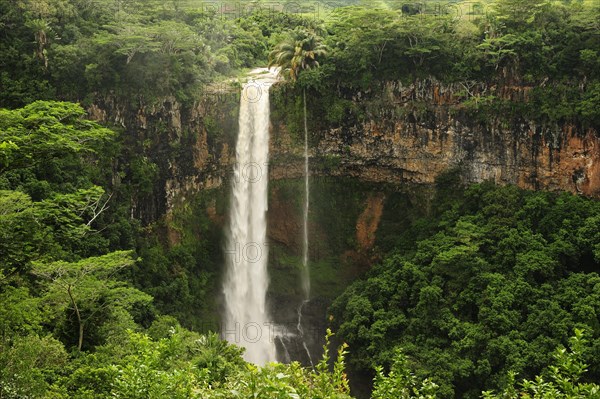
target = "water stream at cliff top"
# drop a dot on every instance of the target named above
(246, 321)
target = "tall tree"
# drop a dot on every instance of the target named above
(90, 286)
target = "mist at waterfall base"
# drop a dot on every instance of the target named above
(247, 321)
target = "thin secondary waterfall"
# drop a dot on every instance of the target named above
(246, 320)
(305, 270)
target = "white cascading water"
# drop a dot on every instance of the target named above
(246, 321)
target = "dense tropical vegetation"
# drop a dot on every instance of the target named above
(494, 291)
(488, 286)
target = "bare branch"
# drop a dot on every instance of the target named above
(97, 212)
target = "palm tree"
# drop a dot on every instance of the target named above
(42, 32)
(299, 52)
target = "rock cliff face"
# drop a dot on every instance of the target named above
(396, 142)
(522, 155)
(392, 142)
(190, 147)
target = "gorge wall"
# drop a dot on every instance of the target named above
(412, 133)
(395, 134)
(372, 167)
(190, 147)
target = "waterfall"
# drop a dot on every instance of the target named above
(305, 270)
(301, 332)
(246, 321)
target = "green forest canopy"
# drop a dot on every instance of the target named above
(475, 296)
(139, 51)
(488, 285)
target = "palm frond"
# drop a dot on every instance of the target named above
(298, 52)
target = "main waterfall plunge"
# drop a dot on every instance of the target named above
(246, 321)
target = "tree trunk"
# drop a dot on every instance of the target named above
(305, 122)
(80, 342)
